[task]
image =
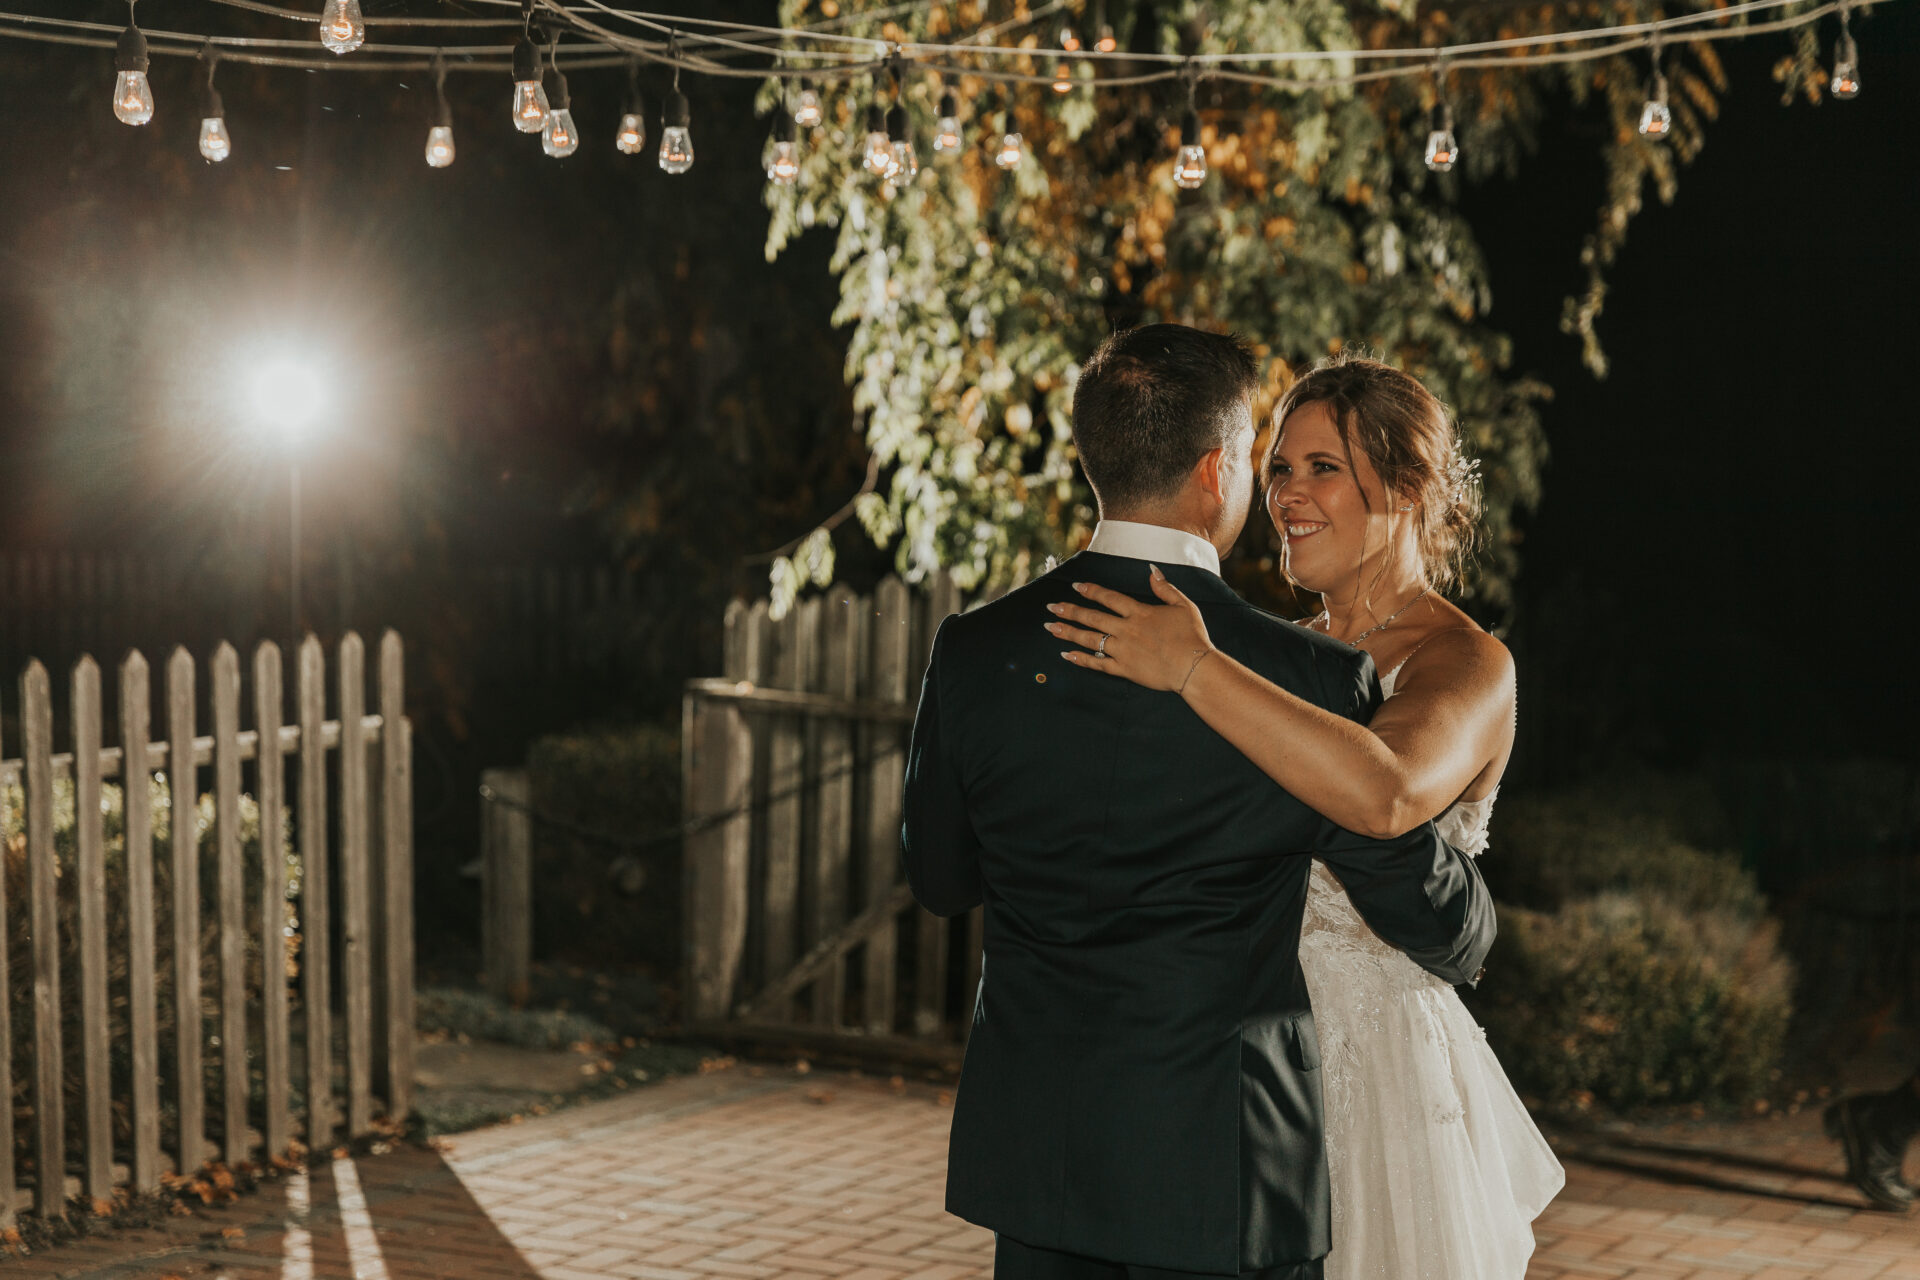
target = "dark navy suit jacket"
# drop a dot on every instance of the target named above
(1142, 1077)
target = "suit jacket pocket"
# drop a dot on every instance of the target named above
(1303, 1042)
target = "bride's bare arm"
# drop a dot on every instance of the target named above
(1451, 714)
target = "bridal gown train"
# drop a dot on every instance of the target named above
(1437, 1170)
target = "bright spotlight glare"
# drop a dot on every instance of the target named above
(286, 397)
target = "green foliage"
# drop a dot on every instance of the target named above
(481, 1017)
(598, 898)
(1636, 963)
(1635, 834)
(973, 293)
(1628, 999)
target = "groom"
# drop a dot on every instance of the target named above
(1141, 1096)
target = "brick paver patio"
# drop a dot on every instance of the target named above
(754, 1174)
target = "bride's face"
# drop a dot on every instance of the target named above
(1332, 515)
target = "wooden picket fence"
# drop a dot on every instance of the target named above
(798, 925)
(349, 795)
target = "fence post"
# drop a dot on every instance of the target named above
(506, 882)
(136, 762)
(717, 773)
(90, 870)
(270, 781)
(839, 675)
(43, 887)
(786, 770)
(886, 770)
(355, 932)
(396, 859)
(230, 897)
(183, 797)
(9, 1186)
(316, 988)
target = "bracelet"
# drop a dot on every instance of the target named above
(1199, 656)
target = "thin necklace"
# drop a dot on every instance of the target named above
(1379, 626)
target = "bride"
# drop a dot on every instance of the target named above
(1437, 1170)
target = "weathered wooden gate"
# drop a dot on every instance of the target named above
(798, 926)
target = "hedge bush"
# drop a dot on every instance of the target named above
(600, 896)
(1636, 963)
(1627, 999)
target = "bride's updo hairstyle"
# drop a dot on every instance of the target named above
(1408, 436)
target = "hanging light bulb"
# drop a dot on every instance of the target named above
(1656, 118)
(676, 143)
(806, 111)
(1442, 150)
(342, 28)
(903, 166)
(1069, 38)
(783, 165)
(1846, 62)
(132, 96)
(878, 153)
(529, 97)
(215, 143)
(1107, 42)
(1191, 169)
(1062, 76)
(1013, 149)
(630, 139)
(440, 136)
(946, 134)
(559, 138)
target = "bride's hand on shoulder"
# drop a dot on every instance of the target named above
(1153, 645)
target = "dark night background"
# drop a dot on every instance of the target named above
(593, 365)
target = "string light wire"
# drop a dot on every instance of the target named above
(610, 49)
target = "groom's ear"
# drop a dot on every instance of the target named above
(1209, 474)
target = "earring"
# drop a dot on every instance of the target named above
(1408, 507)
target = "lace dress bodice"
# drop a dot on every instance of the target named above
(1463, 825)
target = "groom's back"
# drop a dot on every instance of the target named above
(1140, 1080)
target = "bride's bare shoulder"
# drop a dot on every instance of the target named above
(1461, 655)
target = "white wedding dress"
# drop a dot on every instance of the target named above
(1437, 1170)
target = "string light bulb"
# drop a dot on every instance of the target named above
(903, 166)
(440, 136)
(806, 110)
(1069, 38)
(630, 139)
(946, 134)
(1191, 169)
(676, 139)
(1846, 62)
(1107, 42)
(1656, 118)
(1442, 149)
(529, 96)
(559, 138)
(783, 166)
(216, 144)
(342, 26)
(1013, 149)
(1062, 76)
(132, 95)
(878, 153)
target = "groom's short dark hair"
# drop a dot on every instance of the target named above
(1151, 402)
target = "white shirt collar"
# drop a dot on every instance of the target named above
(1138, 541)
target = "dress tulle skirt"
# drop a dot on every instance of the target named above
(1437, 1170)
